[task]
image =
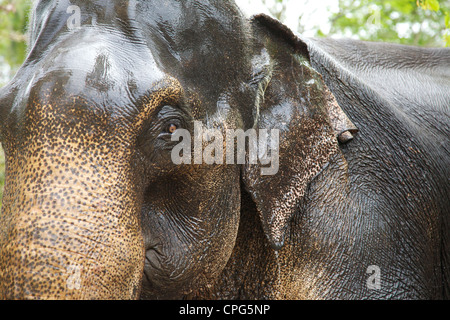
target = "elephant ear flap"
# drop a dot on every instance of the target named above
(343, 127)
(303, 120)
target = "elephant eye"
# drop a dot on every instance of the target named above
(171, 128)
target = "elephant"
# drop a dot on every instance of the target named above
(95, 207)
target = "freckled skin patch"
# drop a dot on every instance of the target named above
(70, 226)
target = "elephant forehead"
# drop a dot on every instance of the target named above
(113, 63)
(53, 107)
(204, 43)
(194, 39)
(97, 65)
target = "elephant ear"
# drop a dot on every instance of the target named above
(296, 103)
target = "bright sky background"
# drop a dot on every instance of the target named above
(315, 12)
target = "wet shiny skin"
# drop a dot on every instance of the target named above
(95, 209)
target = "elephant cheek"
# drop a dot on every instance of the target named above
(77, 240)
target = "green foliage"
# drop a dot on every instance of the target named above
(412, 22)
(434, 5)
(429, 4)
(2, 174)
(13, 25)
(447, 29)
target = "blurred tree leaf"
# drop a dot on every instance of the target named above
(435, 6)
(447, 29)
(415, 22)
(13, 26)
(428, 4)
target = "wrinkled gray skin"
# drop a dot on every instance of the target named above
(94, 208)
(398, 192)
(384, 199)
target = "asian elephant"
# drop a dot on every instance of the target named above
(95, 207)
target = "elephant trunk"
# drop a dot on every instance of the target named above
(70, 227)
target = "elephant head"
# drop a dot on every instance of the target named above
(94, 207)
